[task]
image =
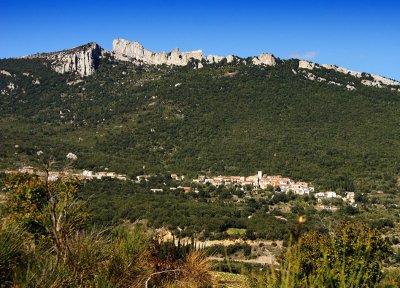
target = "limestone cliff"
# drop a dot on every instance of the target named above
(373, 80)
(303, 64)
(264, 59)
(83, 60)
(135, 52)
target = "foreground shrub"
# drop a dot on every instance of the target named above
(391, 278)
(122, 258)
(350, 257)
(54, 250)
(196, 270)
(11, 254)
(94, 259)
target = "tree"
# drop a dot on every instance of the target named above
(361, 251)
(50, 210)
(65, 211)
(361, 198)
(27, 202)
(250, 234)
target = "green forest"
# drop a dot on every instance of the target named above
(221, 119)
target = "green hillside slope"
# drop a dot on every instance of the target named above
(223, 118)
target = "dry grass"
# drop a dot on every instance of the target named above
(229, 280)
(196, 270)
(391, 278)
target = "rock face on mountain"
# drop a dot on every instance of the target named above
(214, 59)
(303, 64)
(374, 80)
(83, 60)
(264, 59)
(135, 52)
(230, 58)
(4, 72)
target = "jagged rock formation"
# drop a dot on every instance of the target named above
(264, 59)
(134, 51)
(230, 58)
(374, 80)
(306, 65)
(82, 60)
(6, 73)
(214, 59)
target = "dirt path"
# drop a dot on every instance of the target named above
(264, 260)
(227, 242)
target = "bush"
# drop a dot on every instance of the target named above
(351, 257)
(11, 254)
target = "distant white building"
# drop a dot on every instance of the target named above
(27, 169)
(328, 194)
(176, 177)
(121, 177)
(53, 176)
(87, 173)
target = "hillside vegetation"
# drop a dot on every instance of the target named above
(223, 118)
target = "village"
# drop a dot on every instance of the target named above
(255, 182)
(260, 181)
(56, 175)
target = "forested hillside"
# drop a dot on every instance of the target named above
(221, 119)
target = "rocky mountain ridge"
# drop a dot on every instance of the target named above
(375, 80)
(84, 61)
(134, 52)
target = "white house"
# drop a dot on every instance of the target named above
(328, 194)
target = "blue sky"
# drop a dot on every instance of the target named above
(359, 35)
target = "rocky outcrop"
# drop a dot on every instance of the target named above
(11, 86)
(303, 64)
(83, 60)
(264, 59)
(131, 51)
(373, 80)
(211, 59)
(384, 80)
(8, 89)
(6, 73)
(135, 52)
(342, 70)
(230, 58)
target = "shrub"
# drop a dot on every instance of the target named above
(351, 257)
(195, 270)
(11, 254)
